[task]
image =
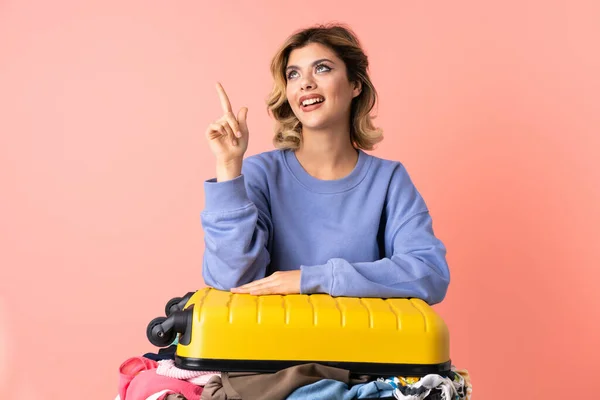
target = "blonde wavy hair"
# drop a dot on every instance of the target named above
(341, 40)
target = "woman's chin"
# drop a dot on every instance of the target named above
(315, 124)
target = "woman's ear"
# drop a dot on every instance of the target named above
(357, 89)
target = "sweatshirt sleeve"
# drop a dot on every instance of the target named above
(414, 264)
(237, 229)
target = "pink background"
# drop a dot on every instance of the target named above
(494, 108)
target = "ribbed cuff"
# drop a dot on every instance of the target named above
(316, 278)
(225, 196)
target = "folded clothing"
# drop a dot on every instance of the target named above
(168, 368)
(273, 386)
(138, 380)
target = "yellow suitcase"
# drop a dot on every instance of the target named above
(239, 332)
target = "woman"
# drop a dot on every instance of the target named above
(317, 215)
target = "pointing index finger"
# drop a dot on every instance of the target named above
(225, 104)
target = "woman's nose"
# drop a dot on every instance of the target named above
(307, 83)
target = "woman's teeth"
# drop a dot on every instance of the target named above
(312, 101)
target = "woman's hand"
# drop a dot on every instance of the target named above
(281, 282)
(228, 136)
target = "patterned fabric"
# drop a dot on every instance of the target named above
(457, 386)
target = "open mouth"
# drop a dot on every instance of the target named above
(312, 102)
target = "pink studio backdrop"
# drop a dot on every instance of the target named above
(492, 106)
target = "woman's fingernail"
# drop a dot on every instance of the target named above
(238, 134)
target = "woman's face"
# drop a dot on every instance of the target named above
(316, 74)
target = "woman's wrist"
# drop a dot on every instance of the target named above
(228, 169)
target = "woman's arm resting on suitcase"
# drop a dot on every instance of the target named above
(416, 267)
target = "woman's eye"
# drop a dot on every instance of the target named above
(319, 68)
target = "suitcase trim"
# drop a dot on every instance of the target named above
(270, 366)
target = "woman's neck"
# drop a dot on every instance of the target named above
(327, 155)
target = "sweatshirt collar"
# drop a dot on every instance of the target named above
(328, 186)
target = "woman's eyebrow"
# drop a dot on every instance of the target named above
(313, 64)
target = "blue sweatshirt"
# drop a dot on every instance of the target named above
(368, 234)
